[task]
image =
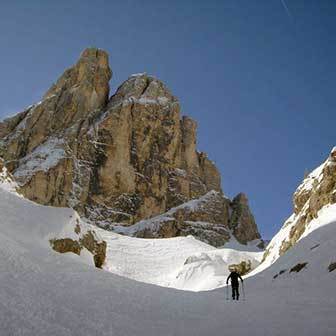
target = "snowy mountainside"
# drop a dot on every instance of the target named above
(157, 261)
(180, 262)
(317, 244)
(317, 191)
(46, 225)
(46, 293)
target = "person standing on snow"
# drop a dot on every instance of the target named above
(234, 275)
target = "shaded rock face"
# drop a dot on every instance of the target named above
(242, 220)
(97, 248)
(207, 218)
(114, 160)
(317, 190)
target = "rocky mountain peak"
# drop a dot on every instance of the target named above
(121, 159)
(83, 87)
(144, 87)
(91, 68)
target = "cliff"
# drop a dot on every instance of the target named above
(116, 160)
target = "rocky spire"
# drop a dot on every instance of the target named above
(82, 88)
(242, 221)
(80, 91)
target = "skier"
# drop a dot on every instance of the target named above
(234, 275)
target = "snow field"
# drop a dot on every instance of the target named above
(46, 293)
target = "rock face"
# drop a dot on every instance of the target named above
(115, 160)
(317, 190)
(212, 218)
(206, 218)
(242, 221)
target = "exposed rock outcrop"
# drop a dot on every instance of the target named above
(207, 218)
(242, 221)
(332, 267)
(242, 268)
(317, 190)
(119, 160)
(81, 238)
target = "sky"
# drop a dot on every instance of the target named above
(257, 75)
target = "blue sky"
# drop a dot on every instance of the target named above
(260, 81)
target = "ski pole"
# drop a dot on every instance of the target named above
(243, 290)
(227, 292)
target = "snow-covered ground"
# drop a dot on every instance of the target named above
(46, 293)
(181, 262)
(304, 191)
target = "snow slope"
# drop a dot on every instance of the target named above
(313, 194)
(45, 293)
(180, 262)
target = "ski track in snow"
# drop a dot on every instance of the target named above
(46, 293)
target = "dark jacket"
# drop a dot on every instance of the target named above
(234, 276)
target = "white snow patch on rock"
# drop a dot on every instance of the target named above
(42, 158)
(7, 183)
